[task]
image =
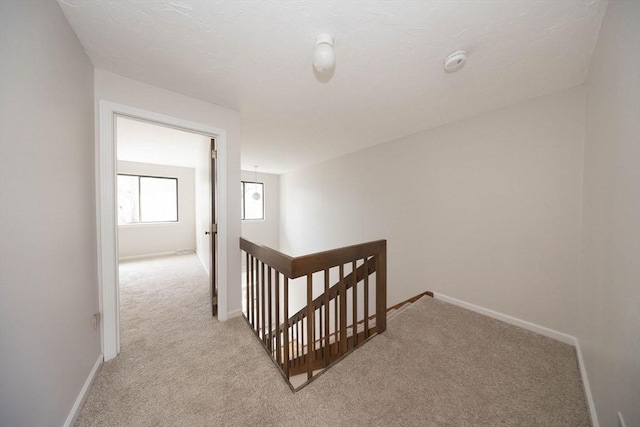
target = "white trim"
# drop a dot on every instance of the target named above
(145, 256)
(567, 339)
(106, 212)
(621, 420)
(107, 232)
(84, 393)
(234, 313)
(551, 333)
(585, 384)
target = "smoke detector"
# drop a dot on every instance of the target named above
(455, 61)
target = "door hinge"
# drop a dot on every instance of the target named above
(214, 228)
(214, 154)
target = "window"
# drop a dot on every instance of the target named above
(252, 200)
(144, 199)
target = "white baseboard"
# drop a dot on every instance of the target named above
(84, 392)
(234, 313)
(134, 257)
(621, 420)
(585, 384)
(551, 333)
(567, 339)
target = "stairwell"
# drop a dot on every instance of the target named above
(349, 310)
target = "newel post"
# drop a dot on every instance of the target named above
(381, 289)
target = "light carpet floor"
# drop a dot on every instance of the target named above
(436, 365)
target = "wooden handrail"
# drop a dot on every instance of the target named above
(322, 260)
(281, 262)
(303, 342)
(306, 264)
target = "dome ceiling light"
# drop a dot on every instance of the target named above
(324, 57)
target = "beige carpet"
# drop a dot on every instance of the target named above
(437, 365)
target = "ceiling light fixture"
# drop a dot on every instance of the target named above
(455, 61)
(324, 58)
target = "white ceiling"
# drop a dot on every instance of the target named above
(255, 57)
(144, 142)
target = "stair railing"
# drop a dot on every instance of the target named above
(329, 326)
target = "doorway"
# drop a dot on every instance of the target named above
(165, 195)
(107, 213)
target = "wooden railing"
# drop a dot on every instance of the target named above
(327, 327)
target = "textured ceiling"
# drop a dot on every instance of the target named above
(255, 57)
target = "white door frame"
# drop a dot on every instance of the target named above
(107, 215)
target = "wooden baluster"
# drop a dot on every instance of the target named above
(327, 312)
(249, 287)
(285, 328)
(256, 277)
(246, 280)
(343, 312)
(277, 302)
(298, 346)
(254, 294)
(354, 297)
(366, 297)
(270, 313)
(263, 302)
(381, 290)
(320, 328)
(318, 336)
(249, 276)
(311, 317)
(258, 297)
(257, 300)
(335, 321)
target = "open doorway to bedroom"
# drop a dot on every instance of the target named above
(165, 202)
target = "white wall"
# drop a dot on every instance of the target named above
(486, 210)
(136, 240)
(264, 232)
(609, 295)
(48, 277)
(120, 90)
